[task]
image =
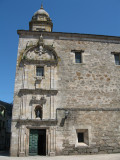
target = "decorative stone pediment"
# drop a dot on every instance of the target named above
(39, 52)
(40, 101)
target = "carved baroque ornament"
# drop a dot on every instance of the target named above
(40, 50)
(40, 101)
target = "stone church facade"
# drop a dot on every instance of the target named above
(67, 92)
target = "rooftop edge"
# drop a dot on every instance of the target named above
(70, 36)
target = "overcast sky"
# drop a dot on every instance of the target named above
(77, 16)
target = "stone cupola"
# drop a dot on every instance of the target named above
(41, 21)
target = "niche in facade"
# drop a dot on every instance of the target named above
(38, 112)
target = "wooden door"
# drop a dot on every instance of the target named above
(33, 142)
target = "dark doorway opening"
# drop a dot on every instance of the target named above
(80, 137)
(42, 142)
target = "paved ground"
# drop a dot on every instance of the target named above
(80, 157)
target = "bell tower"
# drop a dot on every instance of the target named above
(41, 21)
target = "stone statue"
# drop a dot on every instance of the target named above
(38, 113)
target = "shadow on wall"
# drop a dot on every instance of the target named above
(5, 127)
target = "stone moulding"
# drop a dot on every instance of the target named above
(41, 62)
(37, 127)
(86, 109)
(35, 122)
(89, 109)
(83, 109)
(37, 91)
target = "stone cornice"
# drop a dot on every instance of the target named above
(71, 36)
(37, 91)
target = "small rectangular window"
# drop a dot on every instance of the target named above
(78, 57)
(80, 137)
(117, 59)
(40, 71)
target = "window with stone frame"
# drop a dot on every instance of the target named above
(78, 57)
(117, 58)
(82, 137)
(39, 71)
